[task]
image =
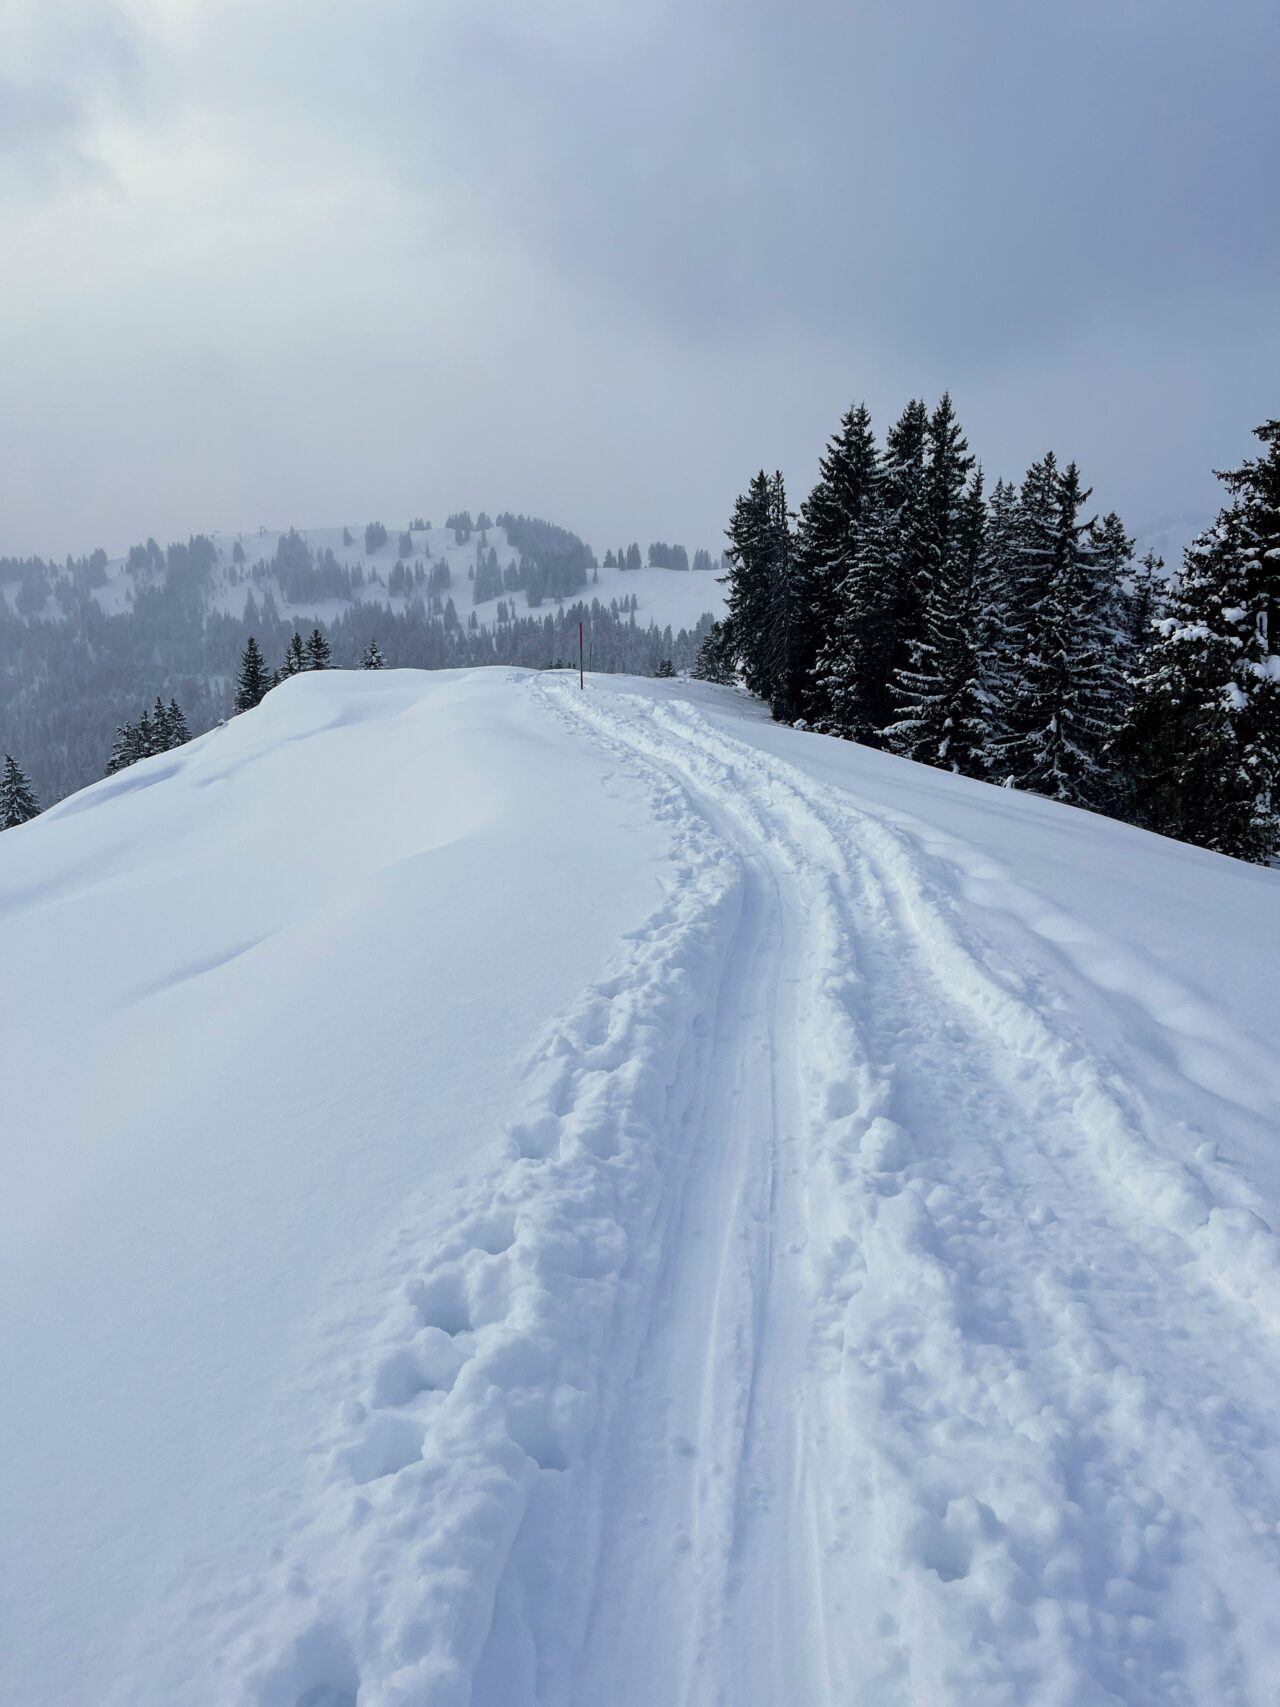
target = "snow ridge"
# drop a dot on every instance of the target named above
(847, 1321)
(503, 1354)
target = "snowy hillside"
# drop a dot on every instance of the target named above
(517, 1196)
(87, 645)
(664, 596)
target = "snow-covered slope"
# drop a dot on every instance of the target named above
(663, 596)
(523, 1196)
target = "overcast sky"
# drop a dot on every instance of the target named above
(320, 261)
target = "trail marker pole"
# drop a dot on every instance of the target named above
(581, 684)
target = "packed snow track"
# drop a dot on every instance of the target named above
(869, 1295)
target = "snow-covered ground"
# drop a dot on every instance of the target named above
(663, 596)
(519, 1196)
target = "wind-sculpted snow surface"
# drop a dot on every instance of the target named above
(865, 1292)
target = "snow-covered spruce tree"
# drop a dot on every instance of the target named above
(1131, 611)
(787, 663)
(1142, 607)
(908, 530)
(857, 653)
(146, 737)
(664, 669)
(714, 662)
(318, 651)
(179, 734)
(122, 754)
(826, 538)
(1143, 604)
(943, 709)
(371, 658)
(18, 804)
(948, 469)
(1000, 663)
(295, 658)
(253, 680)
(1020, 527)
(880, 600)
(1205, 725)
(748, 583)
(765, 613)
(161, 735)
(941, 581)
(1070, 696)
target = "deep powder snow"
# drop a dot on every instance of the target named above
(524, 1196)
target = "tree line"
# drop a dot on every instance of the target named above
(156, 731)
(1011, 636)
(78, 656)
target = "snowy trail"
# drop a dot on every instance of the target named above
(863, 1295)
(1031, 1386)
(704, 1462)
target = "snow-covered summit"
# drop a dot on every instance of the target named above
(515, 1195)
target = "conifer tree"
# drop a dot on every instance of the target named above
(372, 658)
(942, 703)
(295, 658)
(318, 651)
(253, 681)
(715, 660)
(924, 681)
(146, 736)
(784, 635)
(1004, 627)
(136, 744)
(763, 595)
(907, 505)
(827, 537)
(18, 803)
(856, 657)
(121, 754)
(179, 734)
(1020, 528)
(1068, 701)
(949, 521)
(748, 582)
(1114, 551)
(1143, 604)
(1206, 718)
(161, 736)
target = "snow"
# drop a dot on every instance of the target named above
(664, 596)
(525, 1196)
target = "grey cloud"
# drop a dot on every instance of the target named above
(63, 64)
(706, 226)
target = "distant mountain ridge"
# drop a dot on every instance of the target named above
(87, 644)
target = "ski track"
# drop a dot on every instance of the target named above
(840, 1328)
(1035, 1410)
